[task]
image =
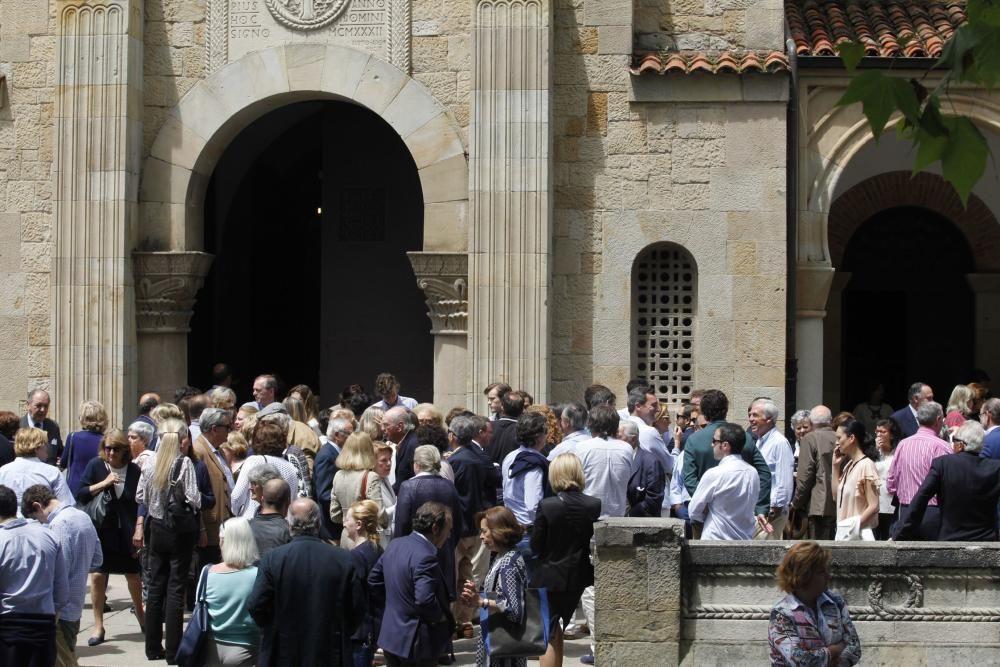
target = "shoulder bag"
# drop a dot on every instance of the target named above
(191, 651)
(97, 507)
(529, 639)
(178, 517)
(364, 487)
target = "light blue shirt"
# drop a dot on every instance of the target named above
(25, 471)
(781, 460)
(651, 440)
(522, 494)
(677, 493)
(81, 549)
(569, 443)
(32, 569)
(404, 401)
(607, 466)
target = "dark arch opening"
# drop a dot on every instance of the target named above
(908, 311)
(310, 212)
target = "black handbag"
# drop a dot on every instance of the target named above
(97, 507)
(191, 651)
(529, 639)
(178, 517)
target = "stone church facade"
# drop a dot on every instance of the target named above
(610, 188)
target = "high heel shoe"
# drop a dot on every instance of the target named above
(96, 640)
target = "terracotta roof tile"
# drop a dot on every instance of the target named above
(885, 28)
(714, 62)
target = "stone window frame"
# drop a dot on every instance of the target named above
(672, 275)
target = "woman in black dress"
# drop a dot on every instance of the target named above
(361, 526)
(114, 473)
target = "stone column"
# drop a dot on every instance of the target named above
(444, 278)
(833, 339)
(510, 236)
(812, 287)
(986, 287)
(166, 286)
(97, 146)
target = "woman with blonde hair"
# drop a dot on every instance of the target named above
(31, 446)
(796, 635)
(233, 635)
(165, 411)
(355, 479)
(361, 526)
(959, 406)
(169, 490)
(83, 446)
(428, 414)
(554, 434)
(383, 466)
(310, 406)
(246, 411)
(371, 422)
(235, 450)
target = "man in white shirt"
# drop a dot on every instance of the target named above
(574, 424)
(643, 406)
(780, 459)
(725, 498)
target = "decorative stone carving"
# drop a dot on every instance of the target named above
(443, 276)
(166, 286)
(510, 237)
(98, 117)
(217, 41)
(305, 14)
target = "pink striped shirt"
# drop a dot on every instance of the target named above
(911, 463)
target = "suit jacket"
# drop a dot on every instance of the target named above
(504, 439)
(698, 459)
(414, 493)
(404, 460)
(814, 475)
(324, 468)
(476, 481)
(214, 517)
(991, 445)
(907, 422)
(302, 436)
(646, 485)
(417, 622)
(967, 487)
(307, 602)
(564, 525)
(52, 432)
(6, 450)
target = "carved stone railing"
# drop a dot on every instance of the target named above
(661, 600)
(444, 278)
(166, 284)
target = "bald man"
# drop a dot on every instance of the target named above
(269, 528)
(814, 476)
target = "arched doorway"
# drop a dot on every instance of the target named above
(310, 212)
(908, 311)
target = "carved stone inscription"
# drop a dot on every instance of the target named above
(379, 27)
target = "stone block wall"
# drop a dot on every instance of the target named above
(708, 24)
(912, 603)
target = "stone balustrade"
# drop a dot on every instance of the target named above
(662, 600)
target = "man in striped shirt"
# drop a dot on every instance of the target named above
(911, 464)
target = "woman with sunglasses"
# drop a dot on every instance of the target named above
(114, 473)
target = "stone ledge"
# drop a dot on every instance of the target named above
(628, 532)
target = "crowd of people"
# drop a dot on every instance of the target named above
(384, 526)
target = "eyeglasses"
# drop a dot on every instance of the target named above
(114, 449)
(956, 441)
(716, 441)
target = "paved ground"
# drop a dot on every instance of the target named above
(124, 648)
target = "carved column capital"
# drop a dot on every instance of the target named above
(444, 278)
(166, 284)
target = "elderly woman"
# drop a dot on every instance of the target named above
(233, 635)
(223, 398)
(31, 446)
(370, 422)
(115, 474)
(268, 445)
(810, 626)
(82, 446)
(355, 480)
(428, 414)
(802, 426)
(139, 435)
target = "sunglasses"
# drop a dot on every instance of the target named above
(114, 449)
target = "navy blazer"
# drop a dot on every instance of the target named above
(646, 485)
(364, 556)
(404, 460)
(417, 622)
(324, 468)
(504, 439)
(991, 445)
(476, 481)
(414, 493)
(967, 487)
(907, 422)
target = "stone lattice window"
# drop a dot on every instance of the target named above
(663, 311)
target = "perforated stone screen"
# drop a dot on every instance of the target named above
(663, 310)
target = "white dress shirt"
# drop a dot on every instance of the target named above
(241, 503)
(607, 466)
(569, 443)
(677, 493)
(25, 471)
(651, 440)
(724, 500)
(774, 447)
(522, 494)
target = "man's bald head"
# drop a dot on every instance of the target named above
(394, 415)
(276, 495)
(303, 517)
(821, 417)
(395, 424)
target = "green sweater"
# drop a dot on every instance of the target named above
(698, 458)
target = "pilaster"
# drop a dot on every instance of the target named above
(510, 235)
(97, 146)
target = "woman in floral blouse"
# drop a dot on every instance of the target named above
(810, 627)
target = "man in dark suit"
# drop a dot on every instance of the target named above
(967, 487)
(417, 623)
(505, 428)
(906, 417)
(698, 456)
(215, 426)
(399, 430)
(38, 417)
(325, 467)
(306, 599)
(648, 481)
(814, 476)
(147, 402)
(476, 482)
(989, 417)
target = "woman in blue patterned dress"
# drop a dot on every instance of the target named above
(506, 582)
(810, 627)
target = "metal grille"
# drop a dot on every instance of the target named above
(663, 316)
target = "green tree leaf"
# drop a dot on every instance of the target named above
(851, 54)
(964, 160)
(877, 95)
(930, 149)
